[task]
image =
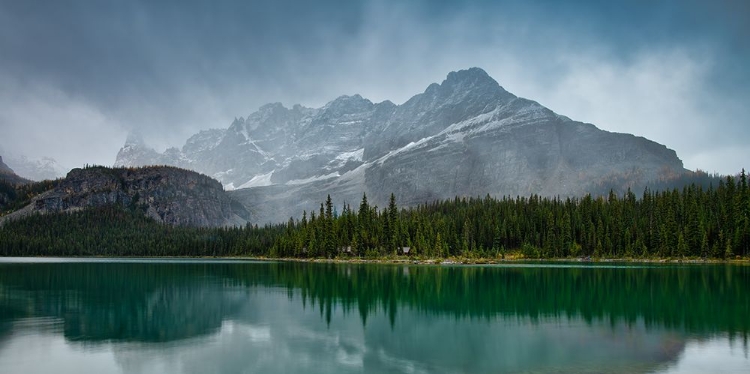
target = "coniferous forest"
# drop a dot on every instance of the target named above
(691, 222)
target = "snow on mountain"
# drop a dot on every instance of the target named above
(35, 169)
(258, 181)
(464, 136)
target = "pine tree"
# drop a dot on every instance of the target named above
(439, 246)
(682, 248)
(728, 251)
(329, 234)
(393, 225)
(363, 231)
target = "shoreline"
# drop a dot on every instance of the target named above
(405, 260)
(492, 261)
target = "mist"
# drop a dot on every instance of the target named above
(75, 78)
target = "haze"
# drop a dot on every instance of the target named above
(77, 76)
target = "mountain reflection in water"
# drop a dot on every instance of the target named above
(227, 316)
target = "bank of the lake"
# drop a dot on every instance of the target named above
(494, 261)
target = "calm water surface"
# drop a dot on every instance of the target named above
(185, 316)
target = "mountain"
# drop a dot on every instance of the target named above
(167, 194)
(466, 136)
(8, 182)
(8, 175)
(36, 169)
(5, 169)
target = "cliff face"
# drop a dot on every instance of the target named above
(168, 195)
(519, 148)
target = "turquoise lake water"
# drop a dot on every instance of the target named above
(225, 316)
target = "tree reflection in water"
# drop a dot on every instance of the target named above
(434, 318)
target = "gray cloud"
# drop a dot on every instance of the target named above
(78, 75)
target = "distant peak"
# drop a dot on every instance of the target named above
(386, 103)
(432, 87)
(134, 138)
(471, 75)
(346, 101)
(346, 98)
(271, 107)
(238, 121)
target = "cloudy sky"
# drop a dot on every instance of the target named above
(76, 76)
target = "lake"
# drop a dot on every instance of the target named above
(224, 316)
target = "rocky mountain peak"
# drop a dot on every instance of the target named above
(464, 136)
(472, 82)
(272, 108)
(135, 152)
(273, 112)
(354, 103)
(237, 121)
(135, 139)
(356, 98)
(472, 88)
(473, 79)
(471, 75)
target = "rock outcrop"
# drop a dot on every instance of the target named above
(466, 136)
(168, 195)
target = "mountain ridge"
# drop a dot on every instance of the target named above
(465, 136)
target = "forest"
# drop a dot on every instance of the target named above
(691, 222)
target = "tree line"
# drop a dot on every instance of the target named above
(691, 222)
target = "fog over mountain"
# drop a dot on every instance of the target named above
(466, 136)
(77, 76)
(37, 170)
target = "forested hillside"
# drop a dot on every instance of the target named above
(168, 195)
(690, 222)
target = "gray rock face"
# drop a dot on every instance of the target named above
(466, 136)
(274, 145)
(167, 194)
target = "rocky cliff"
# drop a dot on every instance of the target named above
(466, 136)
(169, 195)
